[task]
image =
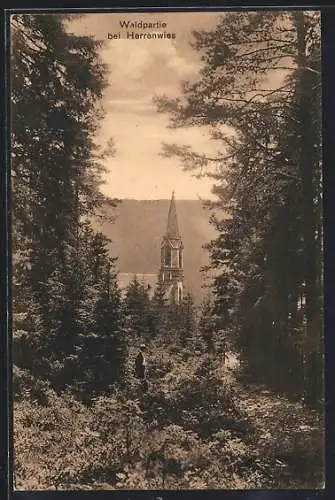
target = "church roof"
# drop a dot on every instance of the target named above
(172, 230)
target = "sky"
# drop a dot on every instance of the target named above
(138, 71)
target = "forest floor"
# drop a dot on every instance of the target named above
(198, 426)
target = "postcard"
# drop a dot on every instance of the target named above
(167, 238)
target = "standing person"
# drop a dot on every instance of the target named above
(140, 366)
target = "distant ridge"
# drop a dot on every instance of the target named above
(137, 231)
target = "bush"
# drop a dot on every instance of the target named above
(196, 427)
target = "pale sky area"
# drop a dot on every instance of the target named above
(139, 70)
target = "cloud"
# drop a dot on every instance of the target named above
(182, 67)
(138, 167)
(139, 70)
(138, 65)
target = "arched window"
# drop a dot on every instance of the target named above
(168, 256)
(180, 259)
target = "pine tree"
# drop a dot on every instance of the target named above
(187, 326)
(102, 347)
(267, 181)
(57, 80)
(160, 309)
(208, 323)
(137, 310)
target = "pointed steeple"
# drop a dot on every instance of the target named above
(171, 274)
(172, 230)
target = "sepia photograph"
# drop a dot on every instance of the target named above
(167, 250)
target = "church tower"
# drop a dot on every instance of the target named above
(171, 273)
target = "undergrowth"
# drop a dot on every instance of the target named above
(197, 427)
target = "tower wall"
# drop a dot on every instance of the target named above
(171, 273)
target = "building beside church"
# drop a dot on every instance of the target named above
(171, 274)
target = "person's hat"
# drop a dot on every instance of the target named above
(142, 346)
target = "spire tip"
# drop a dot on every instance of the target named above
(172, 225)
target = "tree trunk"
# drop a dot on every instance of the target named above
(308, 166)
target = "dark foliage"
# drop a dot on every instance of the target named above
(259, 94)
(65, 297)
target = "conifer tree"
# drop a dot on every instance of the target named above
(102, 346)
(259, 94)
(137, 310)
(57, 82)
(207, 323)
(187, 320)
(160, 309)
